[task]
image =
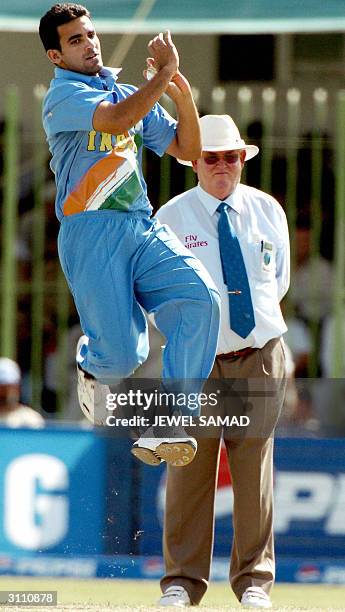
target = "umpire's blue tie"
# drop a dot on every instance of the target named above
(242, 319)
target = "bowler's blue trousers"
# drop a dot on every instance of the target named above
(119, 263)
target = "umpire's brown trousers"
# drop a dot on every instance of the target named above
(189, 513)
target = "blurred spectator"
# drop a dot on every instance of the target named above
(26, 228)
(327, 352)
(299, 417)
(71, 410)
(291, 396)
(303, 420)
(12, 412)
(312, 286)
(299, 340)
(24, 249)
(327, 186)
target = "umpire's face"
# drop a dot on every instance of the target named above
(219, 172)
(80, 47)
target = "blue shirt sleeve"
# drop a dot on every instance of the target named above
(70, 107)
(159, 129)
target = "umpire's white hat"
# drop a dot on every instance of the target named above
(220, 133)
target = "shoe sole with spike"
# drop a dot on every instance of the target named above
(176, 453)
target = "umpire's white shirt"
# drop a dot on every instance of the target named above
(261, 227)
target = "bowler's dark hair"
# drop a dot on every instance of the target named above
(56, 16)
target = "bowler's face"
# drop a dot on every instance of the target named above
(80, 47)
(219, 172)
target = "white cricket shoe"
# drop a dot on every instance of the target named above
(175, 596)
(255, 597)
(92, 395)
(175, 451)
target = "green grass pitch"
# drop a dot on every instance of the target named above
(112, 594)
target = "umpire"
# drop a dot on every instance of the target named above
(240, 234)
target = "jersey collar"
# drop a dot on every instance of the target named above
(106, 73)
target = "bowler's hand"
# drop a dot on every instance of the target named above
(164, 53)
(178, 87)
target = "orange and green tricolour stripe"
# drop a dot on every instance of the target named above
(112, 182)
